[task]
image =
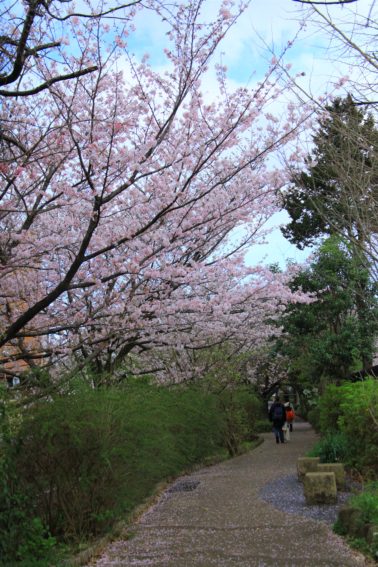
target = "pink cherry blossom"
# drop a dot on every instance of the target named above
(127, 204)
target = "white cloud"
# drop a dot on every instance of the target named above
(264, 28)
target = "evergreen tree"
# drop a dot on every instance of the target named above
(337, 194)
(338, 191)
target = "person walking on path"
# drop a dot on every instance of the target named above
(277, 415)
(290, 415)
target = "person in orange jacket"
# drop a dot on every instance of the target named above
(290, 415)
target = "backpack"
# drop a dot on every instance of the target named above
(278, 412)
(290, 415)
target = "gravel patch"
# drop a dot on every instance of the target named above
(286, 494)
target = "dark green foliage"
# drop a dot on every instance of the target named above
(238, 402)
(23, 535)
(73, 464)
(331, 195)
(336, 194)
(329, 409)
(334, 335)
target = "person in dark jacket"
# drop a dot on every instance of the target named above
(277, 415)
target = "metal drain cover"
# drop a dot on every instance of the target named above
(184, 486)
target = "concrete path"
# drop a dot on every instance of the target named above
(222, 521)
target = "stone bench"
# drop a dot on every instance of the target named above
(338, 469)
(305, 465)
(320, 488)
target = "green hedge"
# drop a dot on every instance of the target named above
(74, 464)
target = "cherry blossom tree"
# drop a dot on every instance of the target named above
(230, 328)
(31, 47)
(121, 190)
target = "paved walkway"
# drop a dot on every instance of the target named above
(223, 522)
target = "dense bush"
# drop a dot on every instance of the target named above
(329, 408)
(91, 455)
(359, 421)
(352, 411)
(22, 533)
(75, 463)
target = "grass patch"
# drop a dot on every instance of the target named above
(332, 448)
